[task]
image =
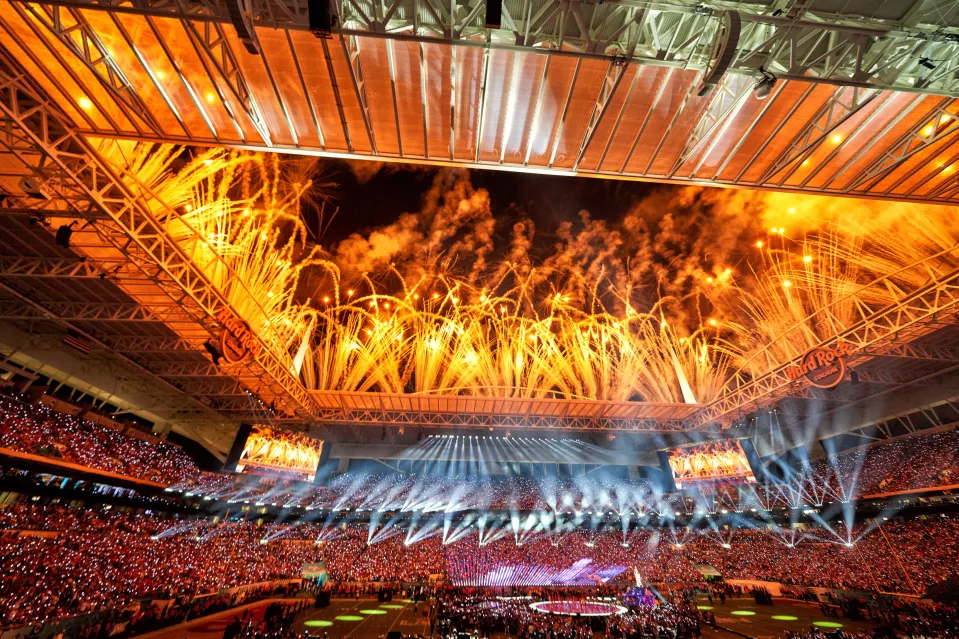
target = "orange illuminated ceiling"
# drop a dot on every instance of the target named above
(420, 101)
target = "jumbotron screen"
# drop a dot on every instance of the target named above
(716, 461)
(270, 451)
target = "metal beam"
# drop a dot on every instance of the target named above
(615, 72)
(243, 404)
(351, 49)
(941, 124)
(67, 267)
(949, 188)
(562, 121)
(879, 331)
(134, 383)
(242, 407)
(37, 209)
(917, 352)
(484, 77)
(838, 108)
(43, 139)
(208, 38)
(185, 369)
(382, 417)
(71, 29)
(869, 382)
(93, 312)
(220, 386)
(137, 345)
(725, 101)
(336, 94)
(838, 49)
(947, 195)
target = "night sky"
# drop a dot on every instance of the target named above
(398, 188)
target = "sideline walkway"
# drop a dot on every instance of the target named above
(212, 626)
(364, 618)
(762, 624)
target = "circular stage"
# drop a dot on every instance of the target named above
(579, 608)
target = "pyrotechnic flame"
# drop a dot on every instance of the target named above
(237, 220)
(617, 312)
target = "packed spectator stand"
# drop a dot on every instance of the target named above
(95, 560)
(40, 430)
(59, 561)
(913, 463)
(76, 567)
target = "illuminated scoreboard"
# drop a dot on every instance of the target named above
(722, 460)
(270, 451)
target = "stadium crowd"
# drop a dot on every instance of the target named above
(429, 492)
(922, 461)
(897, 557)
(58, 562)
(94, 561)
(77, 568)
(39, 430)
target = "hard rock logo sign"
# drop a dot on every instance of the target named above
(822, 367)
(237, 342)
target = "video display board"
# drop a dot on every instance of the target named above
(722, 460)
(271, 451)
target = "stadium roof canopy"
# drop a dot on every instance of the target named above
(863, 103)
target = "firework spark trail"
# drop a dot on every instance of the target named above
(238, 221)
(686, 293)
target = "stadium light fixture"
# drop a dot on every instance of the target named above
(63, 235)
(494, 14)
(321, 18)
(764, 85)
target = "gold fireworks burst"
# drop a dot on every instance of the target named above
(557, 330)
